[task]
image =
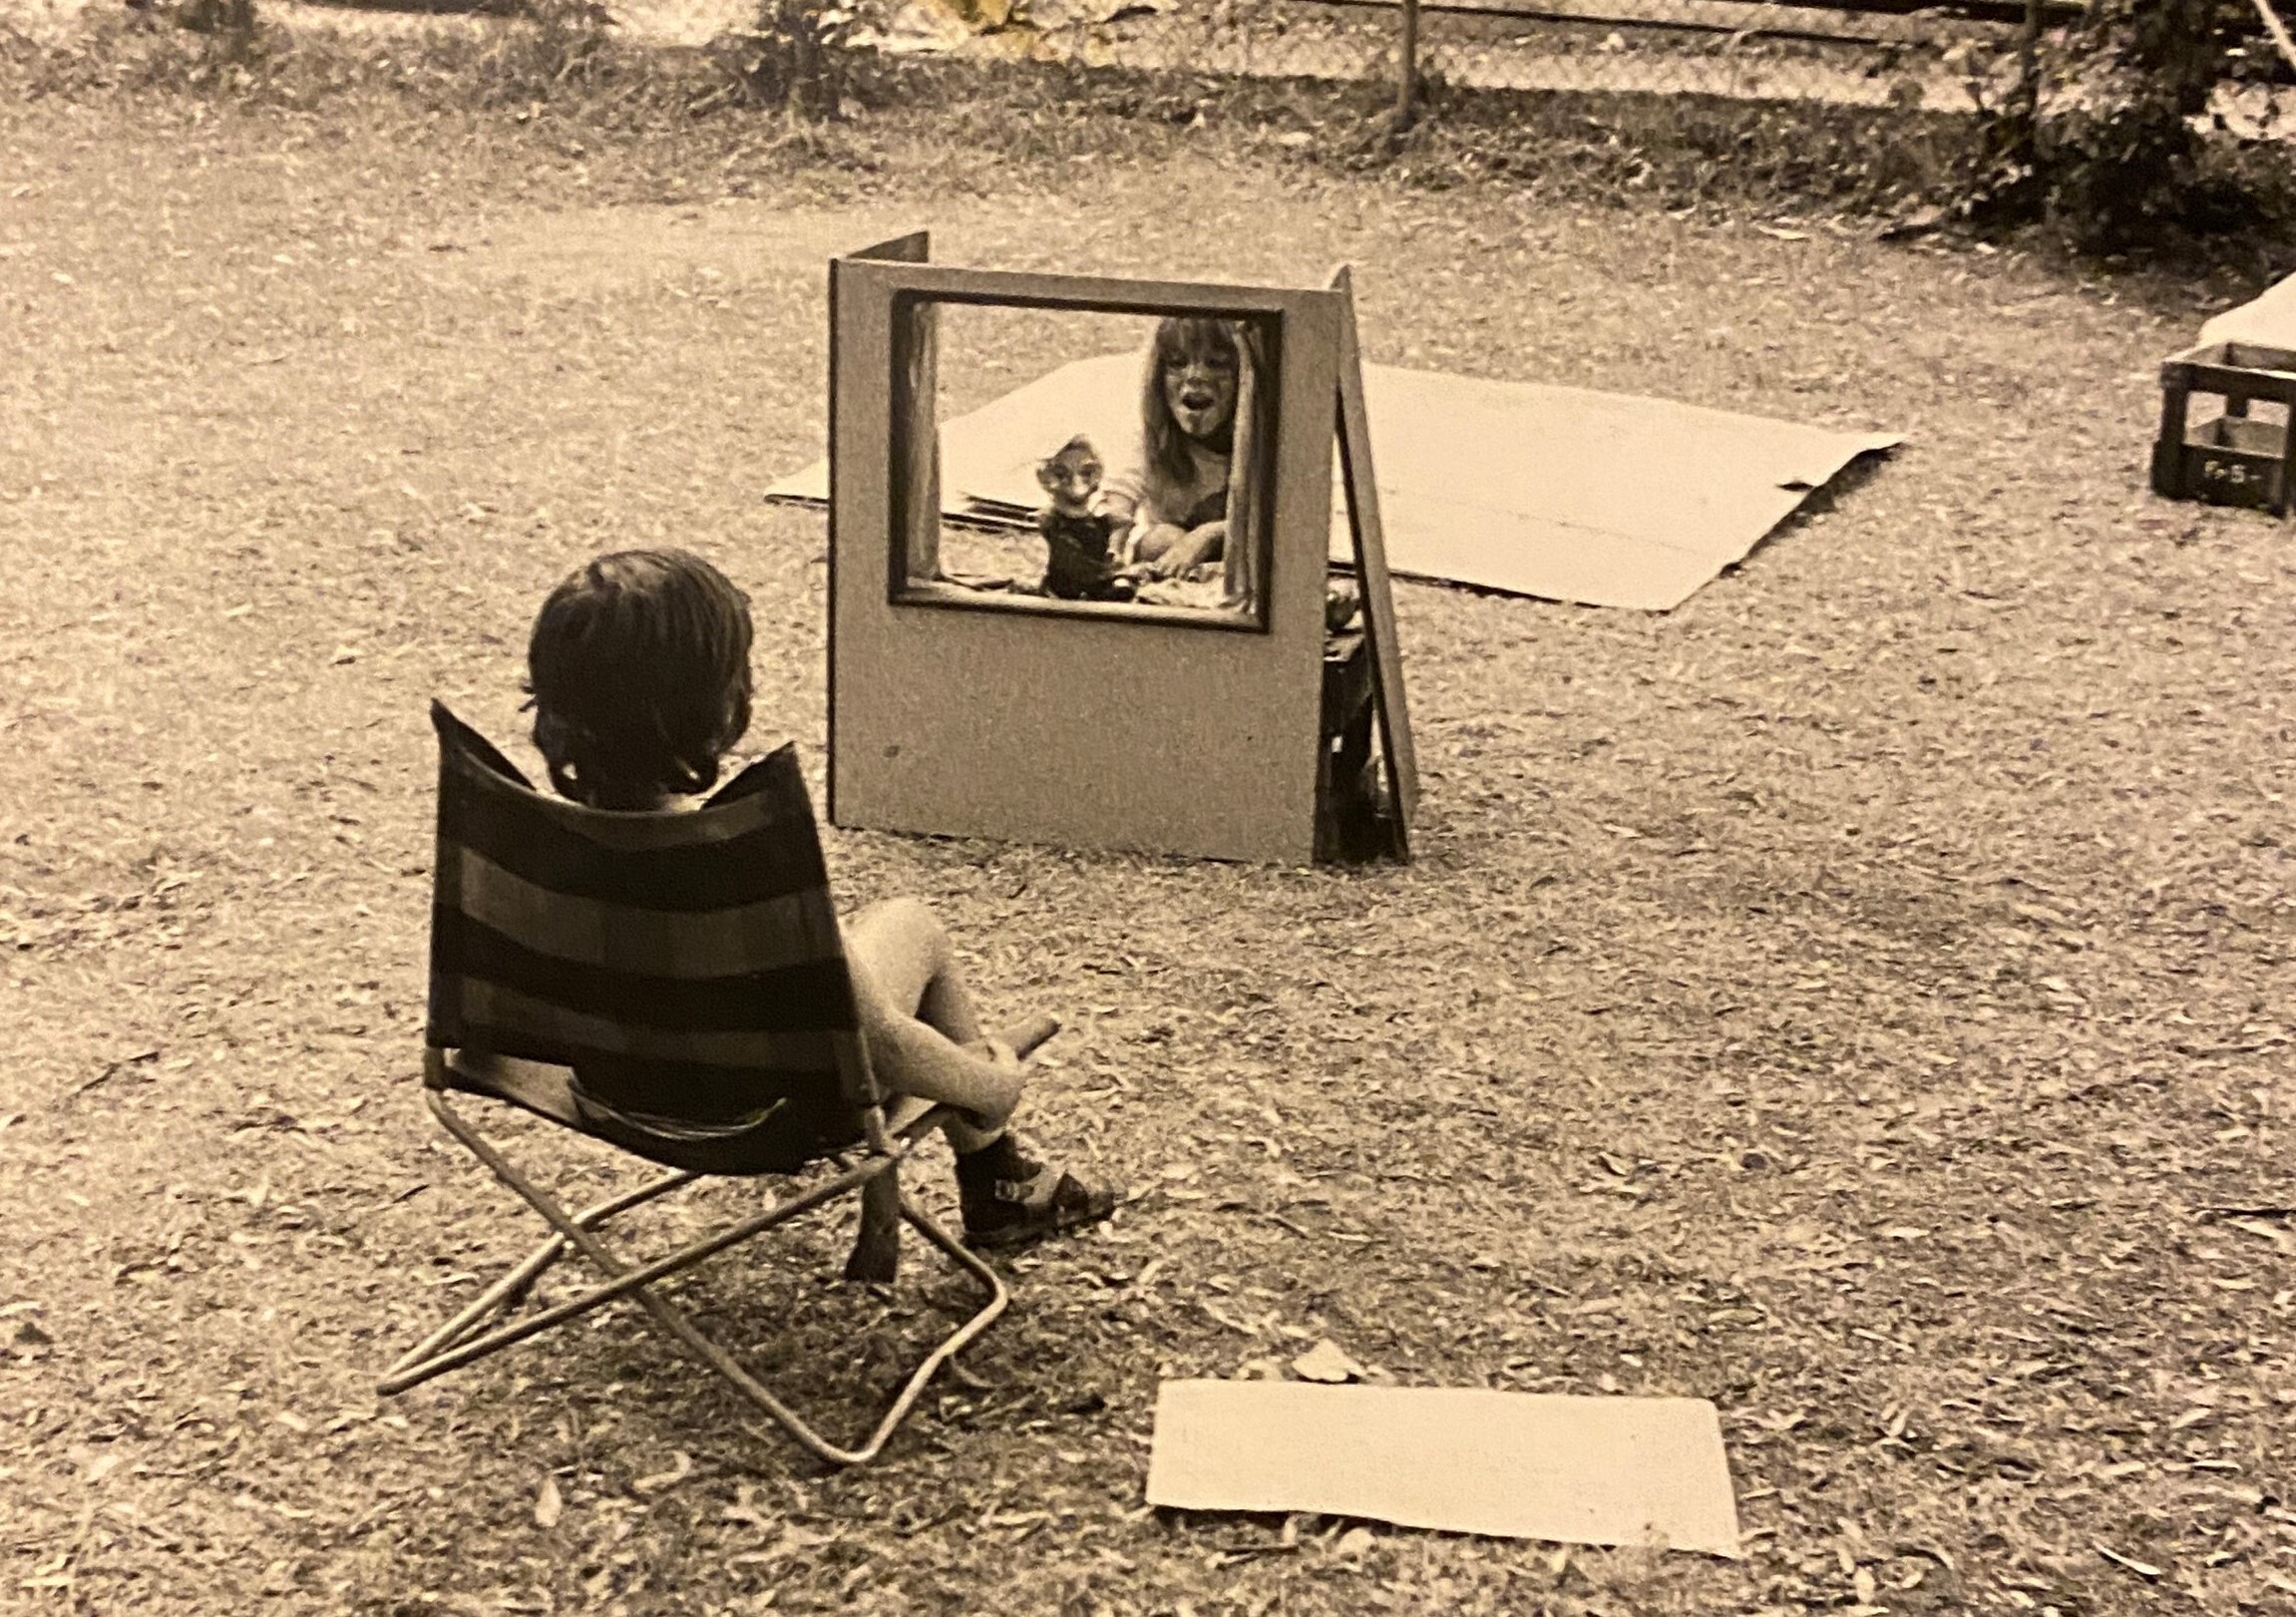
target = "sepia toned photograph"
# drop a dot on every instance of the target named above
(1148, 808)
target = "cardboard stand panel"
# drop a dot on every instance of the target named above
(1369, 538)
(959, 715)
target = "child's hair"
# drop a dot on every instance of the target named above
(1178, 339)
(640, 671)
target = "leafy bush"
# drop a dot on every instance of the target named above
(2109, 141)
(2115, 144)
(536, 51)
(232, 22)
(803, 57)
(204, 46)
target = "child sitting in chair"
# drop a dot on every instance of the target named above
(640, 671)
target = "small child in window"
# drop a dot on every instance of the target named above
(640, 671)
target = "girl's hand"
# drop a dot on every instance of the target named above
(1187, 551)
(1150, 543)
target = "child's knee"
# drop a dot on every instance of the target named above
(906, 920)
(912, 921)
(901, 946)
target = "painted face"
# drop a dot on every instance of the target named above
(1200, 391)
(1071, 477)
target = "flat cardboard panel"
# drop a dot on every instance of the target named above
(1078, 732)
(1583, 496)
(1555, 492)
(2268, 320)
(1575, 1471)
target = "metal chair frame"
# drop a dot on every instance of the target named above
(464, 1339)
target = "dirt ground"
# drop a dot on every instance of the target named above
(1860, 997)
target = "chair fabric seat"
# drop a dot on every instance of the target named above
(666, 1114)
(685, 966)
(777, 1140)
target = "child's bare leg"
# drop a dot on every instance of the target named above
(917, 1015)
(915, 1018)
(904, 949)
(922, 1030)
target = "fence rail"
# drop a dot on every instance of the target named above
(1873, 53)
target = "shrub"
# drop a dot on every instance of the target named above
(802, 57)
(2111, 142)
(232, 22)
(2116, 147)
(202, 46)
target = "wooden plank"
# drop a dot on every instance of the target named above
(1099, 294)
(914, 533)
(2278, 385)
(1244, 557)
(1371, 552)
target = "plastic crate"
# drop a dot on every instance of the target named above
(2229, 459)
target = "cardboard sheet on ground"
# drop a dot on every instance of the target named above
(1574, 1471)
(1556, 492)
(2268, 321)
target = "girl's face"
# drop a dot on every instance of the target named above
(1200, 388)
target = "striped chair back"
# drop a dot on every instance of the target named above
(692, 957)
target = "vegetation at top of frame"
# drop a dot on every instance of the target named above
(2107, 142)
(2116, 139)
(794, 56)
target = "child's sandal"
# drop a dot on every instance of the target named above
(1042, 1201)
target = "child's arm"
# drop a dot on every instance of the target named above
(1189, 548)
(1123, 488)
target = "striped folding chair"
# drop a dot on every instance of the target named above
(699, 953)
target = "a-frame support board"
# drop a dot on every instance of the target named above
(1371, 556)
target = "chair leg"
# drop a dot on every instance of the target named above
(876, 1257)
(513, 1285)
(417, 1367)
(965, 1259)
(688, 1335)
(951, 1346)
(634, 1281)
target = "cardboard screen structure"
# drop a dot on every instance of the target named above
(1193, 719)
